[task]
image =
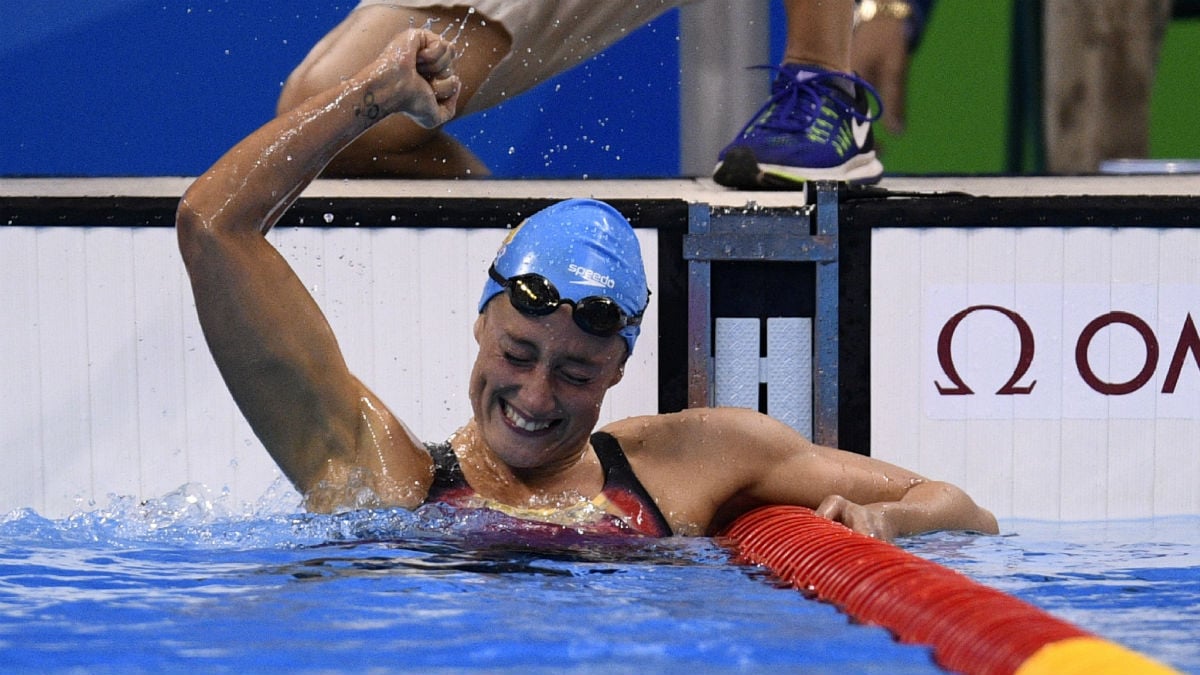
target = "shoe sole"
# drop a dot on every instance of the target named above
(741, 170)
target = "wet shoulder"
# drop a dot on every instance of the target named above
(680, 464)
(665, 435)
(698, 432)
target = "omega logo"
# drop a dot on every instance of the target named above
(1188, 343)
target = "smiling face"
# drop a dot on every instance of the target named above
(537, 386)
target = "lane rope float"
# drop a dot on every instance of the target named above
(972, 629)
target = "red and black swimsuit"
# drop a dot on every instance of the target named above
(626, 505)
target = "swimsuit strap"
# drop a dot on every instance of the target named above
(619, 477)
(621, 485)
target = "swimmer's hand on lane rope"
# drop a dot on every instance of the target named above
(869, 520)
(414, 75)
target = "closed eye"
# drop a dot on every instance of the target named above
(576, 379)
(517, 360)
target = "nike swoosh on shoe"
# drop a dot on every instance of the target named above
(861, 129)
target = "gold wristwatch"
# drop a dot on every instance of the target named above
(882, 9)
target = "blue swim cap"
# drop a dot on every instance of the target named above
(584, 247)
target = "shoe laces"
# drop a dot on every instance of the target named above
(795, 104)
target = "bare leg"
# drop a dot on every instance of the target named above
(817, 123)
(396, 146)
(819, 33)
(1100, 59)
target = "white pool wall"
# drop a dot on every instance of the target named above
(107, 387)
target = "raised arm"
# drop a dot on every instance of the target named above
(328, 433)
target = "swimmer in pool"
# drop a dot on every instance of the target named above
(558, 317)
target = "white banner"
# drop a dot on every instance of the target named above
(1050, 372)
(1049, 351)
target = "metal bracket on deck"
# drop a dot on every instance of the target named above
(767, 234)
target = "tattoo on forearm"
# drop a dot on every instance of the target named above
(369, 108)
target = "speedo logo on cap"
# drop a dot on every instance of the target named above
(589, 277)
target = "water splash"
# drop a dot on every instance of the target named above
(457, 26)
(196, 518)
(462, 25)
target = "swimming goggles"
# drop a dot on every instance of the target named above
(535, 295)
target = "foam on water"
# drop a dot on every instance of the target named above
(187, 581)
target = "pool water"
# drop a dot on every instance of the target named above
(182, 583)
(1135, 582)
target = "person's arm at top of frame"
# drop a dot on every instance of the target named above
(270, 341)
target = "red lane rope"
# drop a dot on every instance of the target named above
(972, 628)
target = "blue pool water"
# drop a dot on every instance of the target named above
(178, 583)
(1136, 582)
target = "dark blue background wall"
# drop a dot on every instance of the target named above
(133, 87)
